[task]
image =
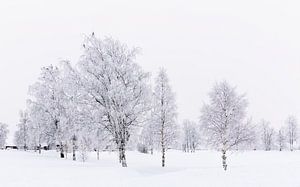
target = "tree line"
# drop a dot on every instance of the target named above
(106, 102)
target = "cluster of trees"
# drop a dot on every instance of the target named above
(3, 134)
(99, 103)
(285, 137)
(106, 101)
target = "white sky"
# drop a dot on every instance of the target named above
(254, 45)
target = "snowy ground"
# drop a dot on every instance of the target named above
(253, 168)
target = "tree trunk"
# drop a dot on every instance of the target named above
(163, 148)
(40, 148)
(74, 150)
(163, 151)
(163, 157)
(98, 154)
(224, 160)
(122, 155)
(62, 155)
(66, 153)
(74, 155)
(74, 138)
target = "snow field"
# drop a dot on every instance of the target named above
(203, 168)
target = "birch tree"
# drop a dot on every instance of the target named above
(82, 118)
(76, 116)
(117, 87)
(3, 134)
(190, 136)
(223, 119)
(164, 113)
(48, 94)
(148, 137)
(291, 130)
(281, 139)
(36, 127)
(21, 137)
(267, 135)
(101, 139)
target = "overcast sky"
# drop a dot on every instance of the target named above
(254, 45)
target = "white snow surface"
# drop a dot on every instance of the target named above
(203, 168)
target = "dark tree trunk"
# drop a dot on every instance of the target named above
(74, 139)
(122, 153)
(62, 155)
(98, 154)
(224, 160)
(74, 155)
(120, 156)
(163, 148)
(163, 160)
(40, 148)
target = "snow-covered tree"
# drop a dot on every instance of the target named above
(76, 117)
(291, 131)
(148, 138)
(267, 135)
(21, 138)
(3, 134)
(36, 126)
(164, 113)
(190, 136)
(281, 139)
(223, 119)
(116, 86)
(254, 144)
(85, 144)
(48, 95)
(100, 139)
